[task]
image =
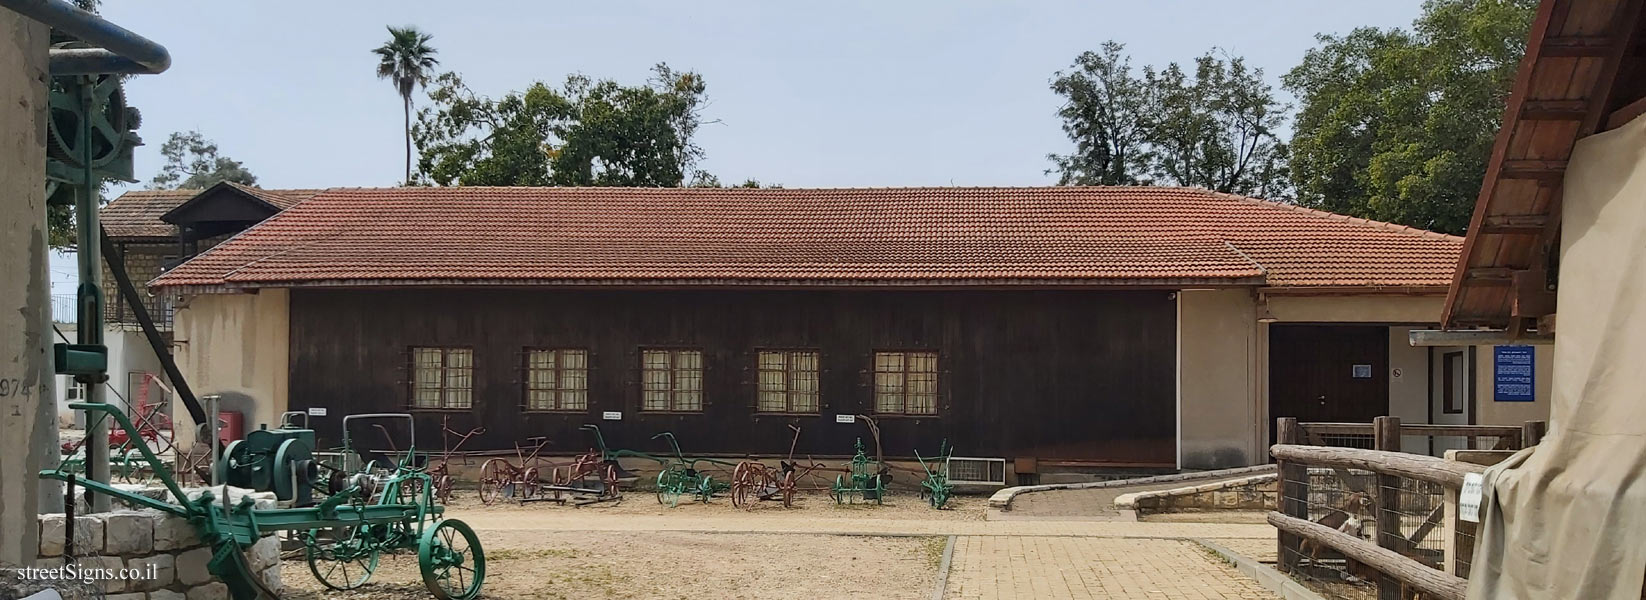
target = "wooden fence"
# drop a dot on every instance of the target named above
(1412, 500)
(1471, 437)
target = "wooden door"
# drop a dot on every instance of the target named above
(1328, 373)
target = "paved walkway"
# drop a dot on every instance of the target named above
(987, 568)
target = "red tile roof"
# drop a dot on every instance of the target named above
(136, 214)
(869, 236)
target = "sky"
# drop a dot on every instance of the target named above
(838, 94)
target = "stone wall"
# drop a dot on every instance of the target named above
(164, 548)
(1258, 492)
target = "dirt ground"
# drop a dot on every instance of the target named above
(670, 565)
(537, 564)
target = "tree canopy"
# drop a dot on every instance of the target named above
(1212, 126)
(1397, 125)
(406, 60)
(585, 132)
(192, 162)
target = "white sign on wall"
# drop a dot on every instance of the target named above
(612, 415)
(317, 411)
(1468, 499)
(845, 418)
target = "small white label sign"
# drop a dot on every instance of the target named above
(612, 415)
(1468, 499)
(317, 411)
(845, 418)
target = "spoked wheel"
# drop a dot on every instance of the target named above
(493, 480)
(786, 489)
(611, 482)
(668, 488)
(743, 484)
(705, 488)
(443, 488)
(451, 560)
(527, 486)
(341, 558)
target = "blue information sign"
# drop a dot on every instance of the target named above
(1513, 378)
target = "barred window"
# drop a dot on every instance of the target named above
(442, 377)
(788, 381)
(557, 379)
(905, 383)
(671, 380)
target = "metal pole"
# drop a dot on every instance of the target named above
(90, 294)
(211, 430)
(118, 49)
(28, 411)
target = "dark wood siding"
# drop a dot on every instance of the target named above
(1078, 375)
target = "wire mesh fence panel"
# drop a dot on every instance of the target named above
(1340, 499)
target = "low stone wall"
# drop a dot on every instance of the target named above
(1002, 499)
(1257, 492)
(162, 556)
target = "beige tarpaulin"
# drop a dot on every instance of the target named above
(1568, 519)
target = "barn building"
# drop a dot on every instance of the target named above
(1065, 329)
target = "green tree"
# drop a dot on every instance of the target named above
(406, 60)
(192, 163)
(1397, 125)
(1102, 112)
(1212, 128)
(587, 132)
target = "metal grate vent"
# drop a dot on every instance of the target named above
(977, 471)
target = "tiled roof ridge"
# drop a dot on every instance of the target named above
(1385, 225)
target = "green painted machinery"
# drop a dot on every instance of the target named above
(866, 481)
(344, 533)
(273, 460)
(682, 477)
(935, 488)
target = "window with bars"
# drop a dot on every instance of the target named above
(671, 380)
(557, 379)
(905, 383)
(442, 378)
(787, 381)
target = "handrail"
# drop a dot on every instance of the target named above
(1412, 466)
(118, 50)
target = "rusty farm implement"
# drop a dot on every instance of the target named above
(440, 471)
(356, 518)
(502, 479)
(753, 481)
(591, 477)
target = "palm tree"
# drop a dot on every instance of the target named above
(406, 60)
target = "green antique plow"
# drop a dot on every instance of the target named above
(363, 516)
(865, 480)
(681, 476)
(935, 488)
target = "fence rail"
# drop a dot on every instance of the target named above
(1406, 501)
(1471, 437)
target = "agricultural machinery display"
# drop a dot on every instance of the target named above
(681, 476)
(753, 481)
(935, 488)
(864, 480)
(345, 521)
(503, 479)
